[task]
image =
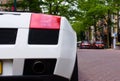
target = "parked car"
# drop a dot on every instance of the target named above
(85, 45)
(99, 44)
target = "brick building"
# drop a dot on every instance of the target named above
(3, 1)
(3, 8)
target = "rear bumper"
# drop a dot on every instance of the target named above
(33, 78)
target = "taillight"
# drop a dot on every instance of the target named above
(96, 44)
(43, 21)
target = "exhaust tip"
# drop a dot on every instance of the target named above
(39, 67)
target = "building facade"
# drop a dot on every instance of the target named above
(4, 8)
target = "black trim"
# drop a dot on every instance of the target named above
(33, 78)
(43, 36)
(8, 35)
(74, 76)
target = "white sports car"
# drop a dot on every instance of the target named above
(37, 47)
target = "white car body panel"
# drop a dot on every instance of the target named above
(9, 20)
(64, 51)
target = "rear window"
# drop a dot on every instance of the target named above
(8, 35)
(43, 36)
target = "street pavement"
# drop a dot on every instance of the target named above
(98, 64)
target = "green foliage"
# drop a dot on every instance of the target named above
(99, 10)
(79, 28)
(34, 5)
(22, 5)
(93, 11)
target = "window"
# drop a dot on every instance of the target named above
(43, 36)
(8, 35)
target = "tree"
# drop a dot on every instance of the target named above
(93, 10)
(80, 29)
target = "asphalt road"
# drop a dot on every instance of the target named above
(98, 65)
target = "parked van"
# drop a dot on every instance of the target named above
(37, 47)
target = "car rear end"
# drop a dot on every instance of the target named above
(99, 44)
(85, 45)
(36, 47)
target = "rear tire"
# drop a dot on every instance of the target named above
(75, 72)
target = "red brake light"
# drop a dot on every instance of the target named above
(44, 21)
